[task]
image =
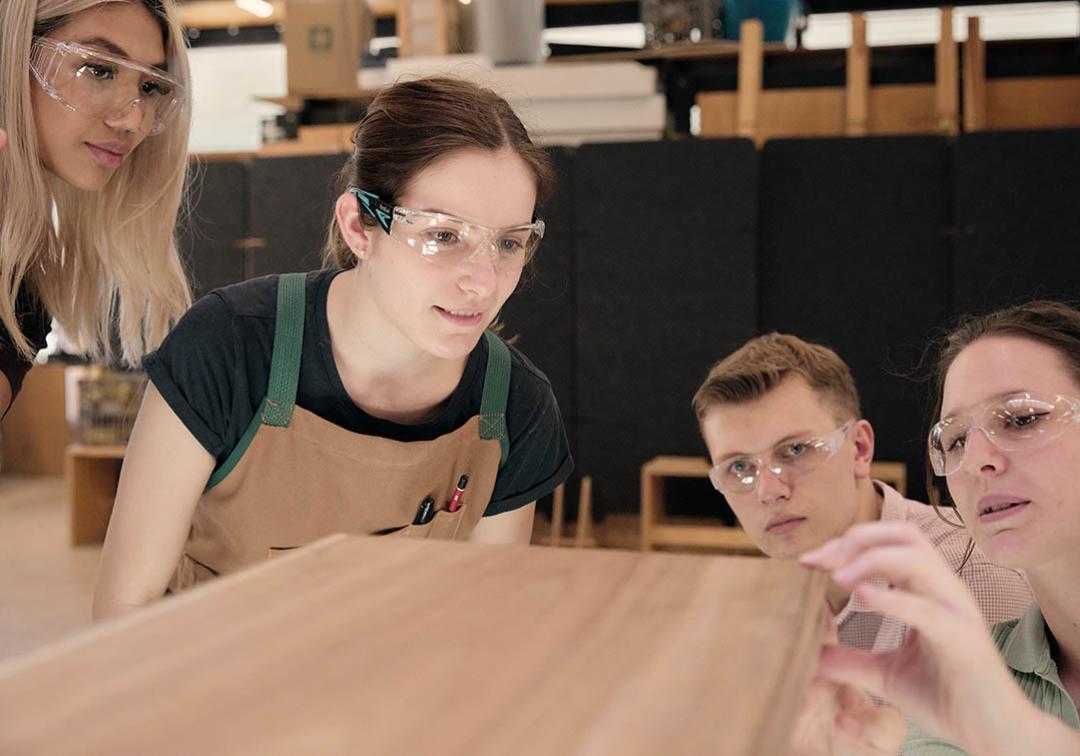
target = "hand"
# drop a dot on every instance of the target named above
(3, 138)
(838, 719)
(947, 676)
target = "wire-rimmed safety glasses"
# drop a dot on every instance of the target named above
(1013, 422)
(103, 85)
(451, 241)
(740, 474)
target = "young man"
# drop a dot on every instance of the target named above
(791, 453)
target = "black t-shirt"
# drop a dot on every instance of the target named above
(213, 370)
(35, 324)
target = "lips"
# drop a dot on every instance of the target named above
(999, 506)
(109, 154)
(461, 316)
(784, 523)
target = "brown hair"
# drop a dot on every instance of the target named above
(763, 362)
(1055, 324)
(410, 125)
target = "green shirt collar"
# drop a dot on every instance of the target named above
(1026, 647)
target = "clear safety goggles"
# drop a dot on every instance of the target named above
(451, 241)
(1014, 422)
(791, 458)
(101, 85)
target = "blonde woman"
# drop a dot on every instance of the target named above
(94, 119)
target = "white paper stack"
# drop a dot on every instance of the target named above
(560, 103)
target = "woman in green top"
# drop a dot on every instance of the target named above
(1007, 441)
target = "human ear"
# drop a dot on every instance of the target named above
(352, 228)
(862, 433)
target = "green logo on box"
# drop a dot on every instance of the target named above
(320, 38)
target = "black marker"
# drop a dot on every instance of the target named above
(425, 513)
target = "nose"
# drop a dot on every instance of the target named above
(128, 117)
(771, 487)
(981, 456)
(478, 274)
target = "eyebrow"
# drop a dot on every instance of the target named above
(789, 437)
(109, 46)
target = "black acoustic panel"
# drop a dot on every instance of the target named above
(292, 202)
(855, 253)
(540, 315)
(218, 198)
(1017, 210)
(666, 283)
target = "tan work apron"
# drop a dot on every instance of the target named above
(295, 477)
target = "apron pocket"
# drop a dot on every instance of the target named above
(444, 526)
(275, 551)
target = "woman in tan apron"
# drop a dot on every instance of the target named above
(358, 398)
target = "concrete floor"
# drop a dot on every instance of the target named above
(45, 583)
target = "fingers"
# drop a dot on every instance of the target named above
(876, 729)
(858, 538)
(3, 138)
(899, 553)
(861, 669)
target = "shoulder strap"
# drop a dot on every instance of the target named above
(288, 345)
(496, 390)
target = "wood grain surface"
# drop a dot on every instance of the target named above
(361, 645)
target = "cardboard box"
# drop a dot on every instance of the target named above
(428, 27)
(324, 40)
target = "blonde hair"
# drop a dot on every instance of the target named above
(112, 261)
(763, 362)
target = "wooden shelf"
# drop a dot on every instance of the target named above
(92, 473)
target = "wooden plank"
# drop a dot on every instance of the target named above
(751, 36)
(974, 78)
(1035, 102)
(902, 109)
(367, 645)
(947, 79)
(806, 112)
(781, 113)
(857, 90)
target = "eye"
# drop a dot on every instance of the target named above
(98, 71)
(155, 88)
(740, 468)
(443, 236)
(796, 449)
(1028, 420)
(508, 245)
(954, 444)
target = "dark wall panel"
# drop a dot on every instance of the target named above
(292, 201)
(541, 312)
(1017, 216)
(664, 240)
(855, 253)
(217, 219)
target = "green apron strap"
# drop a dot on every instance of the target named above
(496, 389)
(288, 345)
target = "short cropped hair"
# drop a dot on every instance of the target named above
(762, 363)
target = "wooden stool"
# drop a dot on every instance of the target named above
(657, 530)
(583, 534)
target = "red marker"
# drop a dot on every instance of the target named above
(455, 500)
